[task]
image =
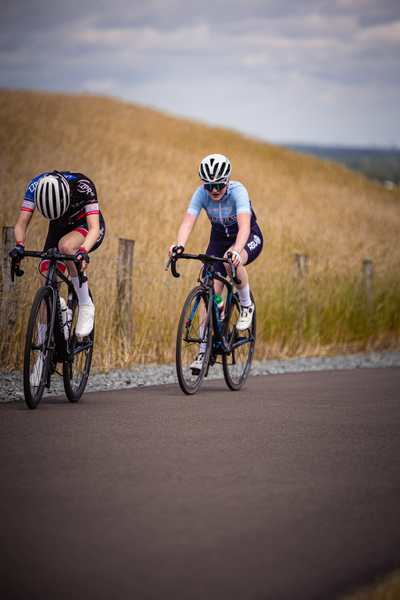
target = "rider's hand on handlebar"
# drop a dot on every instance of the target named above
(16, 253)
(235, 257)
(177, 249)
(82, 254)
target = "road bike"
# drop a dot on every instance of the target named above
(51, 334)
(201, 323)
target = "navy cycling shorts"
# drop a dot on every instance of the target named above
(218, 247)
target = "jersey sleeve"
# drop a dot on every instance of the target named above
(242, 200)
(197, 202)
(92, 209)
(28, 205)
(87, 193)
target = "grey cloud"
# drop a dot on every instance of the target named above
(219, 61)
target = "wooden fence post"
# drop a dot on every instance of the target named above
(368, 274)
(124, 284)
(299, 277)
(300, 267)
(9, 290)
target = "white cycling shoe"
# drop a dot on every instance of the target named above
(37, 371)
(85, 319)
(246, 317)
(198, 363)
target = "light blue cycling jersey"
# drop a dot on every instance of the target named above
(223, 214)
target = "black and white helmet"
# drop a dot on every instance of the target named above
(214, 168)
(52, 195)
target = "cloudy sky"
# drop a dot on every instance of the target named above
(308, 71)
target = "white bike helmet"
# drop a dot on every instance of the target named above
(215, 168)
(52, 195)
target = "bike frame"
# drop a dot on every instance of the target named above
(220, 342)
(200, 324)
(65, 350)
(220, 345)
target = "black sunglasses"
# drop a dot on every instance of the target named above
(217, 186)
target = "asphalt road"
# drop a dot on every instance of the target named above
(286, 490)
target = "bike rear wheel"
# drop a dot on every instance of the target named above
(193, 317)
(37, 352)
(237, 363)
(76, 371)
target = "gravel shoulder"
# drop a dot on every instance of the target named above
(11, 385)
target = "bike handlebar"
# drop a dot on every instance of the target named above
(51, 254)
(204, 258)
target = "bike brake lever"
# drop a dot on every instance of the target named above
(15, 268)
(169, 261)
(235, 279)
(81, 275)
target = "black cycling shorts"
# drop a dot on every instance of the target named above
(55, 233)
(218, 246)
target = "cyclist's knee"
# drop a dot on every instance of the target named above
(66, 246)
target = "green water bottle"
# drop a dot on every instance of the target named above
(220, 304)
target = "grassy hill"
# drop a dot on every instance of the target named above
(144, 164)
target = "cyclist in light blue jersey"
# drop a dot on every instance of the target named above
(233, 226)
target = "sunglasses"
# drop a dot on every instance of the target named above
(217, 186)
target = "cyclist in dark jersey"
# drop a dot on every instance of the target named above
(69, 200)
(233, 228)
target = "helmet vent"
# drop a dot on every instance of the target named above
(215, 168)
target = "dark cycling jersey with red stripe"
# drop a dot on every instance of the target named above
(84, 200)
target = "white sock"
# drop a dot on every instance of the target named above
(81, 292)
(244, 296)
(203, 345)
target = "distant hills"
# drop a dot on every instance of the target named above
(374, 163)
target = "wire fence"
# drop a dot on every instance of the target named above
(297, 313)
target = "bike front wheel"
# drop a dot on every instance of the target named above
(76, 370)
(237, 363)
(193, 332)
(37, 348)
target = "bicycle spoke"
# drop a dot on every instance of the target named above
(192, 339)
(37, 356)
(76, 371)
(237, 363)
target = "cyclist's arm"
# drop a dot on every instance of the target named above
(21, 226)
(185, 230)
(243, 220)
(93, 222)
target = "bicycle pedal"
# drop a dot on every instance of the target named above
(195, 371)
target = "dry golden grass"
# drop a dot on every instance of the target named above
(144, 164)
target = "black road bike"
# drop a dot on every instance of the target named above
(200, 323)
(52, 339)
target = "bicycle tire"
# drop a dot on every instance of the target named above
(188, 342)
(236, 365)
(35, 376)
(76, 372)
